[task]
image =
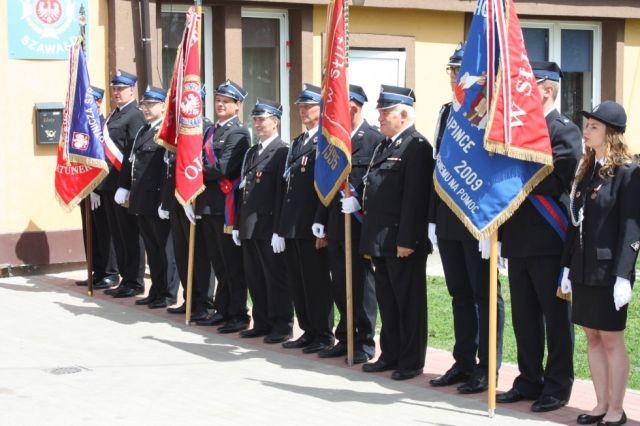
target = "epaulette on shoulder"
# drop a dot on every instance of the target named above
(416, 135)
(564, 120)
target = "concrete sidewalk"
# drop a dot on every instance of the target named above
(71, 359)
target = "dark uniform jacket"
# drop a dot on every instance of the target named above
(363, 143)
(527, 233)
(168, 185)
(142, 172)
(123, 125)
(448, 225)
(396, 196)
(301, 206)
(231, 141)
(261, 197)
(608, 247)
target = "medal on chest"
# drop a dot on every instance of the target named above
(258, 176)
(303, 163)
(594, 192)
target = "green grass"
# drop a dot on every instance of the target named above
(441, 330)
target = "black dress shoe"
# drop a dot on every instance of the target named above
(315, 347)
(101, 285)
(233, 326)
(276, 338)
(182, 309)
(476, 384)
(82, 283)
(145, 301)
(360, 357)
(547, 403)
(112, 290)
(405, 374)
(622, 421)
(301, 342)
(202, 317)
(588, 419)
(453, 375)
(378, 366)
(339, 349)
(512, 395)
(215, 319)
(158, 303)
(127, 292)
(253, 332)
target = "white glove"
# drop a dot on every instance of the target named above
(318, 230)
(484, 247)
(95, 200)
(277, 243)
(122, 196)
(502, 262)
(432, 235)
(188, 210)
(350, 205)
(235, 235)
(163, 214)
(621, 292)
(565, 282)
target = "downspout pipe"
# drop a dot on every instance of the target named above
(146, 42)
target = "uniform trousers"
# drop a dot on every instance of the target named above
(467, 278)
(309, 287)
(365, 307)
(180, 236)
(226, 258)
(103, 253)
(156, 234)
(127, 242)
(535, 309)
(401, 290)
(266, 276)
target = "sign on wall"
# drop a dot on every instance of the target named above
(44, 29)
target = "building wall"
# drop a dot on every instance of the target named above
(435, 34)
(27, 202)
(631, 79)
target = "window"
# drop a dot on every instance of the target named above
(576, 47)
(264, 61)
(172, 18)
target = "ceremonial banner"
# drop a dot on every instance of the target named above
(181, 128)
(333, 162)
(81, 164)
(44, 29)
(496, 147)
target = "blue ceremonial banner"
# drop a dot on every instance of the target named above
(44, 29)
(81, 163)
(484, 188)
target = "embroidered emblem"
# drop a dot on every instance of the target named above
(635, 246)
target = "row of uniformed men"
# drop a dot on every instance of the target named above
(261, 226)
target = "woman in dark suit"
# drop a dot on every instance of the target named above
(600, 255)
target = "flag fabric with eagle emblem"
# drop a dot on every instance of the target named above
(495, 148)
(333, 162)
(81, 164)
(181, 128)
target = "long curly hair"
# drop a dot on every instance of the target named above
(616, 154)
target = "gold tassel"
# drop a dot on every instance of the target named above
(563, 296)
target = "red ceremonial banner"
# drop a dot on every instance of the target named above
(516, 127)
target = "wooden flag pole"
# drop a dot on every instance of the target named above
(493, 322)
(192, 245)
(348, 263)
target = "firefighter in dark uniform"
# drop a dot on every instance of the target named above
(141, 175)
(600, 255)
(306, 256)
(364, 139)
(171, 210)
(394, 233)
(262, 189)
(105, 267)
(120, 130)
(467, 276)
(534, 249)
(225, 144)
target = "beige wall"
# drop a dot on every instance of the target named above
(631, 93)
(27, 201)
(436, 37)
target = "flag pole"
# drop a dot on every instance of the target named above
(192, 226)
(348, 262)
(493, 322)
(88, 237)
